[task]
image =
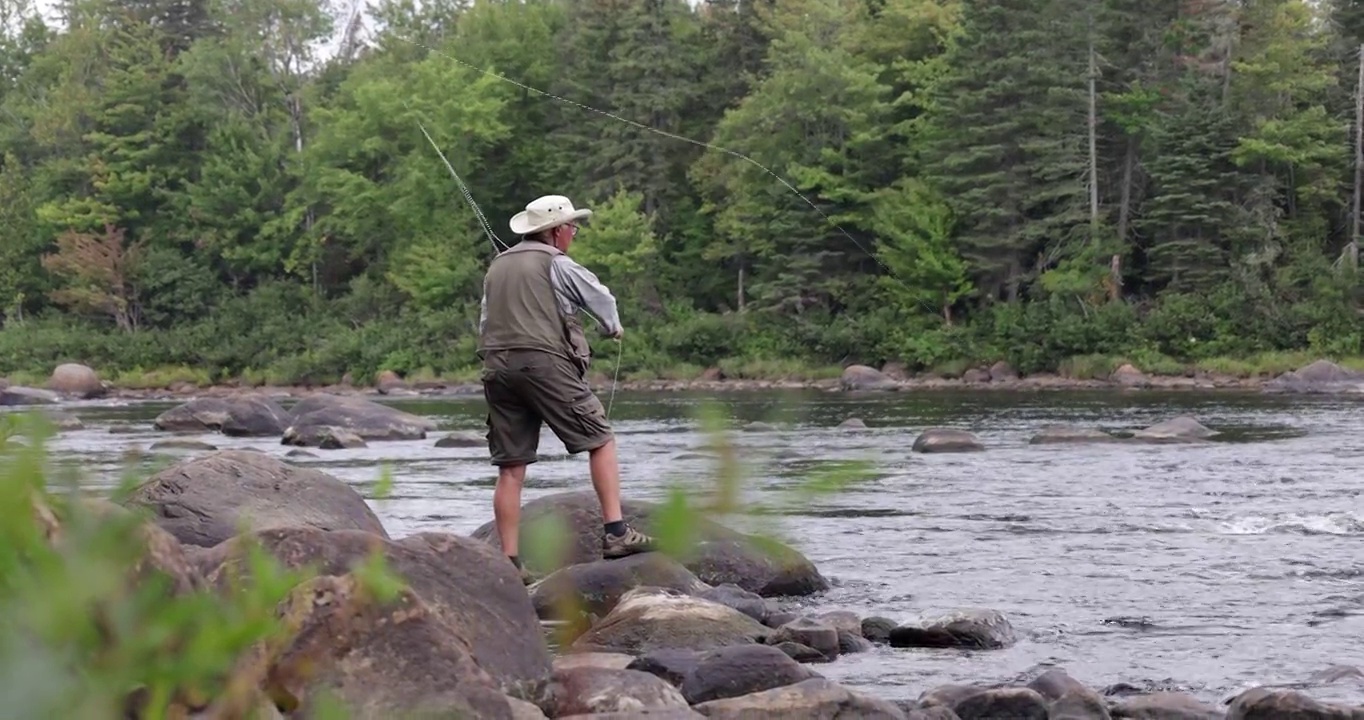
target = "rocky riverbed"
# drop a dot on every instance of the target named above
(740, 628)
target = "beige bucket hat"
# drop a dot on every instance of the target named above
(546, 212)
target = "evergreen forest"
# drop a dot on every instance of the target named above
(215, 190)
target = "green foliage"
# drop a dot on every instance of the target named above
(284, 220)
(91, 624)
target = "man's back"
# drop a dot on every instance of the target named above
(520, 309)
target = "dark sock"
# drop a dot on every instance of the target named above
(616, 528)
(515, 561)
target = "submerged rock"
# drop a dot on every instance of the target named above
(1178, 429)
(365, 418)
(979, 629)
(209, 499)
(946, 440)
(1055, 434)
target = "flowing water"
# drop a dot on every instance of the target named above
(1205, 568)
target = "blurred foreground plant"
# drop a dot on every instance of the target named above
(93, 626)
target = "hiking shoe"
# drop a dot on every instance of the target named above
(632, 542)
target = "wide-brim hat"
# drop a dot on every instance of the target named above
(546, 212)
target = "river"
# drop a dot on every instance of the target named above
(1235, 563)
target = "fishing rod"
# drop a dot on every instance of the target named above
(500, 247)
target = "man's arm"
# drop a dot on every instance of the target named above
(583, 288)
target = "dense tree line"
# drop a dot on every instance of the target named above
(188, 183)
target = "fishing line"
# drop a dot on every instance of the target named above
(664, 133)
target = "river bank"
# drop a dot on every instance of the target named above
(1320, 376)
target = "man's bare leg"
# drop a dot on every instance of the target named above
(619, 539)
(605, 469)
(507, 508)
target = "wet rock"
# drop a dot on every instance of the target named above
(16, 395)
(648, 619)
(672, 665)
(300, 454)
(863, 377)
(809, 632)
(721, 556)
(241, 415)
(182, 445)
(1002, 704)
(1322, 376)
(77, 381)
(1166, 706)
(584, 690)
(382, 661)
(1003, 372)
(853, 424)
(849, 643)
(877, 629)
(740, 670)
(748, 603)
(462, 440)
(1178, 429)
(779, 618)
(370, 420)
(614, 661)
(1128, 376)
(323, 437)
(208, 499)
(1053, 434)
(814, 698)
(1266, 704)
(596, 587)
(473, 590)
(977, 629)
(946, 440)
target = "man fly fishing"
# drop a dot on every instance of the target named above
(535, 359)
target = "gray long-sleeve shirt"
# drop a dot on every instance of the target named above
(576, 288)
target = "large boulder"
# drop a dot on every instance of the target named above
(16, 395)
(470, 587)
(396, 659)
(1261, 703)
(722, 555)
(813, 698)
(1322, 376)
(75, 380)
(864, 377)
(739, 670)
(651, 619)
(159, 555)
(365, 418)
(211, 498)
(240, 415)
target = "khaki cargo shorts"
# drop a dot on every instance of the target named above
(525, 388)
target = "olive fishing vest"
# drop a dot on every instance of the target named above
(523, 312)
